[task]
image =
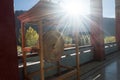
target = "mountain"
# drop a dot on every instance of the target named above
(109, 26)
(18, 25)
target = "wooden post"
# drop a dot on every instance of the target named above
(23, 52)
(117, 12)
(58, 67)
(76, 33)
(8, 45)
(41, 51)
(97, 37)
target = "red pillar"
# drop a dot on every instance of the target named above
(8, 52)
(97, 37)
(117, 10)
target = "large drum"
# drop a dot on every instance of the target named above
(53, 45)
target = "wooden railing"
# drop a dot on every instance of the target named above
(69, 53)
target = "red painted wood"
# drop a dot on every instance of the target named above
(97, 37)
(117, 10)
(8, 52)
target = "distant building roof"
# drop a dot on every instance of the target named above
(42, 10)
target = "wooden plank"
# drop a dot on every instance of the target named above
(67, 67)
(65, 76)
(50, 68)
(117, 27)
(77, 52)
(28, 55)
(61, 77)
(8, 46)
(96, 29)
(41, 51)
(24, 54)
(30, 75)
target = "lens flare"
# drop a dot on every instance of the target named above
(75, 8)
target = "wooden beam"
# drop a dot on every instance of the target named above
(30, 75)
(65, 76)
(41, 51)
(23, 52)
(77, 51)
(117, 14)
(67, 67)
(96, 29)
(8, 45)
(28, 55)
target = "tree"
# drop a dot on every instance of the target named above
(31, 37)
(109, 39)
(19, 38)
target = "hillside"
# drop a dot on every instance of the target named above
(108, 26)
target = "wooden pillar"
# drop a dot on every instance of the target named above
(77, 54)
(117, 12)
(76, 39)
(41, 50)
(23, 52)
(97, 37)
(8, 45)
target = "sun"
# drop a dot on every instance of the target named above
(75, 13)
(75, 8)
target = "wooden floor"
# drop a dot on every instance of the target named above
(108, 69)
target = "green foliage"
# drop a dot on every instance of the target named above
(19, 49)
(31, 37)
(109, 39)
(83, 40)
(20, 38)
(67, 40)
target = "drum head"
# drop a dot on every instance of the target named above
(53, 45)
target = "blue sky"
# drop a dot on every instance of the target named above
(108, 6)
